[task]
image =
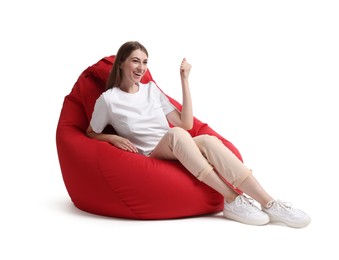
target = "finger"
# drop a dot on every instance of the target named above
(131, 147)
(134, 149)
(123, 147)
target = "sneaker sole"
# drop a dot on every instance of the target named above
(277, 220)
(255, 222)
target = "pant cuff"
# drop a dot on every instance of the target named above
(205, 172)
(238, 182)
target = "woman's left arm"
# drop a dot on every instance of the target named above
(183, 119)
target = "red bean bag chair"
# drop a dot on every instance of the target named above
(105, 180)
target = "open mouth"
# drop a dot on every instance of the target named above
(137, 74)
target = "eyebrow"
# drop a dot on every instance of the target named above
(138, 58)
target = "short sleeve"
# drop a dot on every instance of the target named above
(166, 105)
(100, 115)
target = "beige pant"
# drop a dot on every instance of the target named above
(200, 155)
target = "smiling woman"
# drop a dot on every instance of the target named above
(133, 70)
(131, 67)
(148, 124)
(103, 179)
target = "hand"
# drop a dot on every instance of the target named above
(185, 69)
(123, 144)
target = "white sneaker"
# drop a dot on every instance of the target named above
(282, 212)
(243, 210)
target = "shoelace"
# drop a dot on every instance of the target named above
(281, 205)
(247, 201)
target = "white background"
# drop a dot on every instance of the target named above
(264, 75)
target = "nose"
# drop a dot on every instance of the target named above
(142, 67)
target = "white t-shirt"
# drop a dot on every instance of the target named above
(139, 117)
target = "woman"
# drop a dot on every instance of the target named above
(141, 113)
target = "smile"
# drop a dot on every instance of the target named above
(137, 74)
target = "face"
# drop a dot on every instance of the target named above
(134, 67)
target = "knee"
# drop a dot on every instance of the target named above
(206, 140)
(178, 135)
(178, 132)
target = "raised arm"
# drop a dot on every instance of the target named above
(184, 118)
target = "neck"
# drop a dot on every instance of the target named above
(129, 87)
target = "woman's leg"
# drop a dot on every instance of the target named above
(230, 168)
(200, 154)
(177, 144)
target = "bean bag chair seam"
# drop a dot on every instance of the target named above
(111, 186)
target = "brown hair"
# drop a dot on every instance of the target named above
(123, 53)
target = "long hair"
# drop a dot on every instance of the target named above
(123, 53)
